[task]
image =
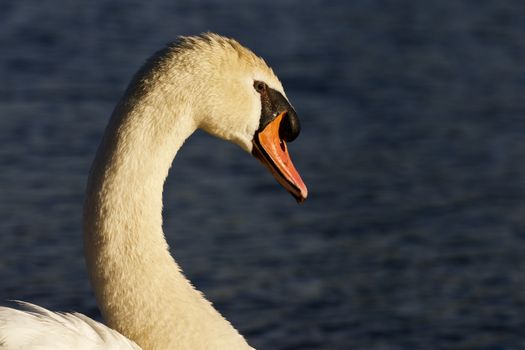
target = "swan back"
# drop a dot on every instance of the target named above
(33, 327)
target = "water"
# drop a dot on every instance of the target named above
(412, 147)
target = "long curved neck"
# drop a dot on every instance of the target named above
(139, 287)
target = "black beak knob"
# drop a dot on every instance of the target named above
(290, 126)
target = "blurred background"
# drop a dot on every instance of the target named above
(412, 147)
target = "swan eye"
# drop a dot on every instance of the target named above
(259, 86)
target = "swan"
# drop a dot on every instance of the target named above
(204, 82)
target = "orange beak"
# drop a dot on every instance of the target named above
(272, 151)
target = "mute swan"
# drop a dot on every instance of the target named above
(208, 82)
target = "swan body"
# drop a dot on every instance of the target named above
(207, 82)
(39, 329)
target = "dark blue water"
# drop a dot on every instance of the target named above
(412, 147)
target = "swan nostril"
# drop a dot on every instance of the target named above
(283, 145)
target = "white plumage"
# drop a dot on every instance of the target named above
(33, 327)
(206, 82)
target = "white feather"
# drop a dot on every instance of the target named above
(35, 328)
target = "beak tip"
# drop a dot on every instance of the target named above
(301, 196)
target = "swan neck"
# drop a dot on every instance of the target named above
(138, 285)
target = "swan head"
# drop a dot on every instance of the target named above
(237, 97)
